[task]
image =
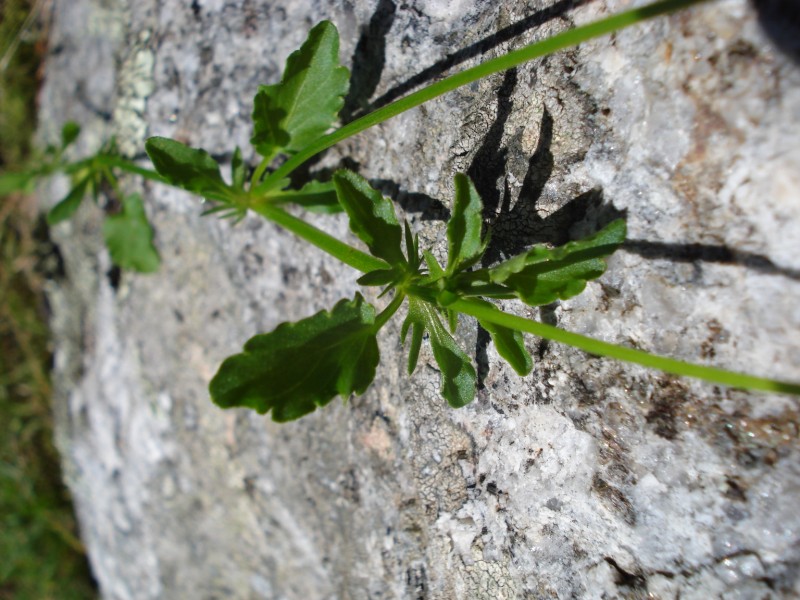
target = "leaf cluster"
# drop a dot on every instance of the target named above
(286, 117)
(306, 364)
(128, 235)
(301, 366)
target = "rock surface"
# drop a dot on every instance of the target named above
(588, 478)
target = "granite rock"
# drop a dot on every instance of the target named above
(588, 478)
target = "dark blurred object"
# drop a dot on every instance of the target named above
(780, 20)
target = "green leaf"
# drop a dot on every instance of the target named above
(452, 320)
(372, 217)
(238, 169)
(67, 207)
(412, 248)
(542, 275)
(129, 237)
(316, 196)
(418, 330)
(14, 182)
(435, 270)
(416, 344)
(445, 298)
(293, 113)
(379, 277)
(509, 342)
(300, 366)
(189, 168)
(69, 133)
(464, 245)
(458, 378)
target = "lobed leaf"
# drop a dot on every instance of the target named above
(67, 207)
(509, 342)
(372, 217)
(464, 244)
(192, 169)
(293, 113)
(301, 366)
(129, 237)
(543, 275)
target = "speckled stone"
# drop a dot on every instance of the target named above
(586, 479)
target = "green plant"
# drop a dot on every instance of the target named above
(338, 348)
(127, 232)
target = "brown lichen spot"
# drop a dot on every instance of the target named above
(610, 450)
(614, 499)
(629, 585)
(531, 462)
(578, 552)
(738, 73)
(741, 61)
(620, 418)
(764, 439)
(325, 277)
(717, 334)
(251, 19)
(609, 295)
(668, 51)
(697, 175)
(750, 440)
(619, 473)
(737, 489)
(349, 486)
(666, 403)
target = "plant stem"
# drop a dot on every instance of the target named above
(365, 263)
(347, 254)
(388, 312)
(122, 164)
(259, 172)
(558, 42)
(593, 346)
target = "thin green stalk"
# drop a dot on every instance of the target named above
(357, 259)
(388, 312)
(108, 175)
(558, 42)
(259, 172)
(593, 346)
(365, 263)
(123, 164)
